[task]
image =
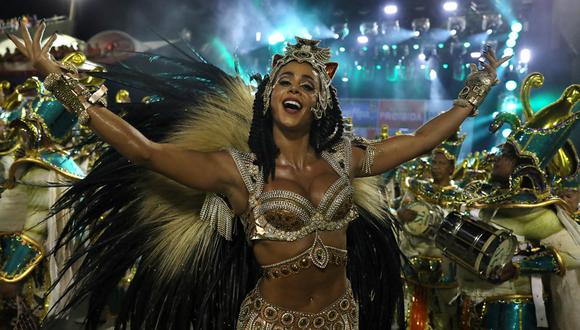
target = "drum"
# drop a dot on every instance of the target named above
(428, 218)
(474, 244)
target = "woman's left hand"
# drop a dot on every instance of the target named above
(493, 64)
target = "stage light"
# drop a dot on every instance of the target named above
(359, 67)
(491, 22)
(422, 57)
(342, 49)
(258, 36)
(450, 6)
(432, 74)
(511, 85)
(489, 31)
(506, 132)
(369, 28)
(421, 25)
(275, 38)
(416, 46)
(390, 26)
(510, 103)
(494, 114)
(440, 45)
(525, 55)
(391, 9)
(422, 66)
(385, 47)
(511, 43)
(467, 44)
(456, 24)
(365, 48)
(362, 39)
(517, 27)
(345, 79)
(394, 46)
(508, 52)
(445, 66)
(513, 35)
(378, 67)
(475, 54)
(341, 30)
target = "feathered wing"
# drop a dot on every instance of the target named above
(187, 274)
(374, 259)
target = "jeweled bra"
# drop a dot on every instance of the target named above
(287, 216)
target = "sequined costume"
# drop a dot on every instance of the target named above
(194, 267)
(37, 171)
(549, 240)
(430, 276)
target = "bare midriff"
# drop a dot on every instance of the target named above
(312, 289)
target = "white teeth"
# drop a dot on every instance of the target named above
(292, 104)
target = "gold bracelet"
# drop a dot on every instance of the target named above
(74, 96)
(477, 85)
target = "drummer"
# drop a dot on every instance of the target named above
(430, 277)
(518, 198)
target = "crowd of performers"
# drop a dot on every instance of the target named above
(488, 242)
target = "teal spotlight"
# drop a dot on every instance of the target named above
(385, 47)
(440, 45)
(517, 27)
(445, 66)
(365, 48)
(415, 46)
(378, 67)
(342, 49)
(394, 47)
(513, 35)
(511, 85)
(345, 79)
(359, 67)
(467, 44)
(511, 43)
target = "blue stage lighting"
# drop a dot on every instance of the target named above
(511, 85)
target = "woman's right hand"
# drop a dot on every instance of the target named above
(38, 54)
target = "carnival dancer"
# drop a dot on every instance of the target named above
(518, 198)
(430, 278)
(291, 187)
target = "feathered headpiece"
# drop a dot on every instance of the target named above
(306, 51)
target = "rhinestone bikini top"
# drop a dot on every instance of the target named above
(287, 216)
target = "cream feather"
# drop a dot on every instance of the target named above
(219, 123)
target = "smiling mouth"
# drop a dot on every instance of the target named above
(292, 106)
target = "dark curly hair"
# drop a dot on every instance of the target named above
(324, 133)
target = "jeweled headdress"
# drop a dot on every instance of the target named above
(306, 51)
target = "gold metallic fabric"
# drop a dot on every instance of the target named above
(256, 313)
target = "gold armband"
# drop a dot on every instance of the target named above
(370, 152)
(477, 85)
(74, 96)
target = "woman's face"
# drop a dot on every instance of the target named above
(295, 92)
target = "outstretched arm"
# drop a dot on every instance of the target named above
(399, 149)
(203, 171)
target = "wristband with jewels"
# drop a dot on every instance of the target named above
(477, 85)
(74, 96)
